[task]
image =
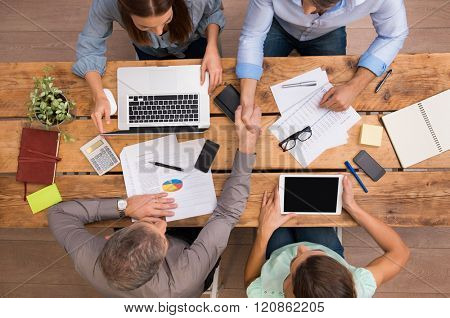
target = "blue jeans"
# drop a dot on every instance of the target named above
(280, 43)
(325, 236)
(195, 50)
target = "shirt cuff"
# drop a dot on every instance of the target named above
(107, 209)
(215, 18)
(247, 70)
(372, 63)
(89, 64)
(243, 162)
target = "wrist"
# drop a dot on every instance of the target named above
(99, 95)
(212, 48)
(122, 205)
(263, 235)
(352, 207)
(247, 149)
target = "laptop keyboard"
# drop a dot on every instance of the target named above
(162, 108)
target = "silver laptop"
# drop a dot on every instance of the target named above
(159, 97)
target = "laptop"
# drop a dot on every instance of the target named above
(162, 99)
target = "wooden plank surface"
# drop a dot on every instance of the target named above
(399, 198)
(415, 77)
(269, 154)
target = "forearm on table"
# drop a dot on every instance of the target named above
(383, 234)
(94, 81)
(67, 220)
(256, 258)
(361, 79)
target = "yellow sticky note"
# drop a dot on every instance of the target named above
(371, 135)
(44, 198)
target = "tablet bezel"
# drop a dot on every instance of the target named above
(281, 188)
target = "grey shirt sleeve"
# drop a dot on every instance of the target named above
(195, 263)
(67, 221)
(91, 45)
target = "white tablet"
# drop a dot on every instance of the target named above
(311, 194)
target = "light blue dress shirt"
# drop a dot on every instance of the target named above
(388, 18)
(91, 46)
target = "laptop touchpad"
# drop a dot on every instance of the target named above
(163, 80)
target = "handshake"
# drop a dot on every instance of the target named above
(248, 129)
(152, 207)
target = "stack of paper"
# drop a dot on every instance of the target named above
(192, 189)
(299, 108)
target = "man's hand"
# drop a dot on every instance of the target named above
(348, 198)
(270, 217)
(339, 98)
(248, 136)
(102, 109)
(150, 205)
(213, 65)
(248, 90)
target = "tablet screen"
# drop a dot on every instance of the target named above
(311, 194)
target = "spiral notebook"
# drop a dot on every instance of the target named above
(420, 131)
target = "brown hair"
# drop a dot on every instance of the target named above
(324, 4)
(321, 276)
(132, 256)
(179, 28)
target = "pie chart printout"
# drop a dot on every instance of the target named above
(172, 185)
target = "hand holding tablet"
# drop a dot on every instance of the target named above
(311, 194)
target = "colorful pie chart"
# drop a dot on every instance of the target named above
(172, 185)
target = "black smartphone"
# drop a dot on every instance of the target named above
(369, 165)
(207, 155)
(228, 101)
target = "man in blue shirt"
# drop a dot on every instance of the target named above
(317, 27)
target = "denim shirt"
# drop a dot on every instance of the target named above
(388, 18)
(91, 46)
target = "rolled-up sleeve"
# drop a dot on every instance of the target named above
(251, 42)
(392, 29)
(91, 45)
(212, 14)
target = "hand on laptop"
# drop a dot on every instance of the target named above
(102, 109)
(212, 64)
(150, 205)
(248, 135)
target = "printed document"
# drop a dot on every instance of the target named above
(192, 189)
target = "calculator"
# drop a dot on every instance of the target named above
(100, 155)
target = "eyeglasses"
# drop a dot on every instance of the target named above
(291, 141)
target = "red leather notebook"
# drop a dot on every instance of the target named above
(38, 156)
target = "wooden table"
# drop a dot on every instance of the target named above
(419, 196)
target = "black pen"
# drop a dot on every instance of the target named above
(158, 164)
(380, 84)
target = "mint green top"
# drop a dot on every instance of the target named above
(277, 268)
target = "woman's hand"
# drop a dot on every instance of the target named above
(212, 64)
(270, 217)
(150, 205)
(348, 198)
(102, 109)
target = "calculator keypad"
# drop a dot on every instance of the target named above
(104, 160)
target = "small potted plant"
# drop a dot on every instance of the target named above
(48, 105)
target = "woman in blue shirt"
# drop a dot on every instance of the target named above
(158, 29)
(309, 262)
